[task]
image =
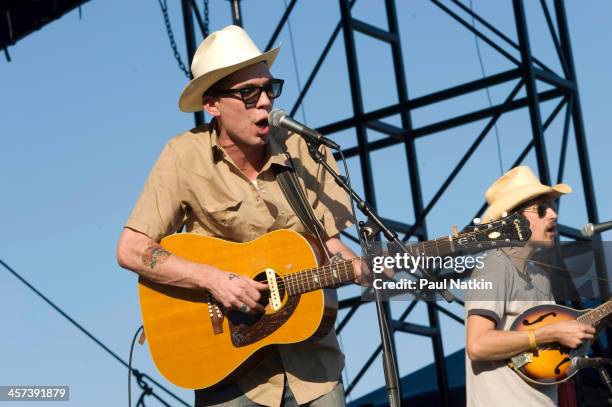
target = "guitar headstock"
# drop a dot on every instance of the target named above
(509, 231)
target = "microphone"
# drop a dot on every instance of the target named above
(590, 229)
(579, 362)
(279, 118)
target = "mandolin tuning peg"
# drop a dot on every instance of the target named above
(476, 221)
(504, 214)
(490, 218)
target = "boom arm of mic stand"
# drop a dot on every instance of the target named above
(376, 225)
(605, 378)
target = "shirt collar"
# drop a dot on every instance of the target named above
(275, 152)
(519, 256)
(217, 152)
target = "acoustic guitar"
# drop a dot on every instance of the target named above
(196, 344)
(552, 363)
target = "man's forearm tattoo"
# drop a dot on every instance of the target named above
(233, 276)
(154, 255)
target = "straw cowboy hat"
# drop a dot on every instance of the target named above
(220, 54)
(515, 187)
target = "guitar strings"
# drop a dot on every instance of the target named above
(541, 263)
(306, 278)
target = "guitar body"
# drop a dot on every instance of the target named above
(551, 363)
(195, 344)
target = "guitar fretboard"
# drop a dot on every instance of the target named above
(331, 275)
(595, 316)
(491, 235)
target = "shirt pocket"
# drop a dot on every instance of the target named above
(225, 215)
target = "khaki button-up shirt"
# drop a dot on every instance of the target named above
(196, 184)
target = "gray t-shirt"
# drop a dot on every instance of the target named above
(517, 286)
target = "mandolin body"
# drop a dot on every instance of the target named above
(550, 363)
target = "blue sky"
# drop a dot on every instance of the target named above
(87, 105)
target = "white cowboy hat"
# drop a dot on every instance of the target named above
(515, 187)
(220, 54)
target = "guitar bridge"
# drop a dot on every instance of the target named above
(521, 360)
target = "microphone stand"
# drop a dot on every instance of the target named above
(367, 231)
(605, 378)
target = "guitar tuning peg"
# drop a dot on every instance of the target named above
(476, 221)
(455, 231)
(490, 218)
(504, 214)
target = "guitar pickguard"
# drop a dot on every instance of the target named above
(246, 329)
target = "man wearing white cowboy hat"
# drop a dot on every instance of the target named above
(517, 286)
(217, 180)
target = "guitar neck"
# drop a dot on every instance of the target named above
(343, 271)
(595, 316)
(316, 278)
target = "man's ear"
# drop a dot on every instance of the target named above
(210, 105)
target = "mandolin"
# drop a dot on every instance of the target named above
(196, 344)
(552, 363)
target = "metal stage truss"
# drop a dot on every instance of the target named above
(20, 18)
(526, 73)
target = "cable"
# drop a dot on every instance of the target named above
(93, 338)
(295, 63)
(348, 182)
(482, 70)
(130, 367)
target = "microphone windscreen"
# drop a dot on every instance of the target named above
(588, 230)
(275, 116)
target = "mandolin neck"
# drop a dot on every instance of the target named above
(596, 315)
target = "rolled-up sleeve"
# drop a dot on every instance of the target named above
(490, 303)
(159, 210)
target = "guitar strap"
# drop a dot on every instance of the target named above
(290, 185)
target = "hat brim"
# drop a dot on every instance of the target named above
(191, 96)
(521, 195)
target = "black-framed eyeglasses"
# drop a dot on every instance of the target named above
(250, 94)
(540, 207)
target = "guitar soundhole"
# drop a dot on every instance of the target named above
(247, 329)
